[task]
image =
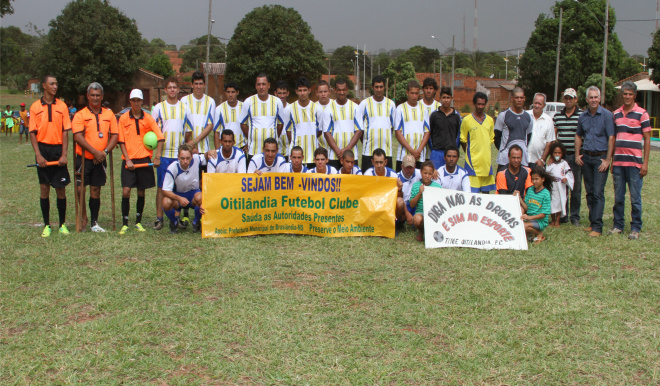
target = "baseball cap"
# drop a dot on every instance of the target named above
(570, 92)
(136, 93)
(22, 104)
(408, 160)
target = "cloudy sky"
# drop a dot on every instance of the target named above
(380, 24)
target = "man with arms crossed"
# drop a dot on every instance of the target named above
(340, 125)
(513, 127)
(445, 127)
(477, 136)
(376, 115)
(411, 127)
(132, 127)
(49, 126)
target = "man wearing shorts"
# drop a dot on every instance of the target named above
(132, 127)
(181, 187)
(95, 133)
(24, 124)
(49, 124)
(477, 136)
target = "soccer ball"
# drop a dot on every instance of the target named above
(150, 140)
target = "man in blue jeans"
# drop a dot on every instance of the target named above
(596, 131)
(630, 164)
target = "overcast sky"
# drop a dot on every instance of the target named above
(380, 24)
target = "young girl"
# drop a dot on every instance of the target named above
(536, 206)
(562, 177)
(416, 196)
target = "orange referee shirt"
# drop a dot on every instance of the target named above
(49, 121)
(97, 128)
(132, 131)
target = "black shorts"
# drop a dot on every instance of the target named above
(94, 173)
(55, 176)
(140, 178)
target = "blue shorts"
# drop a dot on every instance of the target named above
(410, 209)
(189, 195)
(23, 130)
(162, 169)
(438, 158)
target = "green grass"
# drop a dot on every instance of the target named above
(154, 309)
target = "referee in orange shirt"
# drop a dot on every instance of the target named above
(49, 123)
(95, 131)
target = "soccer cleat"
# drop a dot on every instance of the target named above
(180, 224)
(183, 224)
(173, 227)
(97, 228)
(138, 227)
(614, 231)
(634, 235)
(123, 230)
(158, 225)
(64, 230)
(46, 231)
(197, 227)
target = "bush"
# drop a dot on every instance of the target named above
(466, 108)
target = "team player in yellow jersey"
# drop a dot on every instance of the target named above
(477, 136)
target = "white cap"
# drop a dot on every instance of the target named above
(136, 93)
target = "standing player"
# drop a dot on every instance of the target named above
(513, 127)
(303, 128)
(296, 162)
(411, 127)
(261, 117)
(268, 161)
(282, 92)
(174, 120)
(477, 136)
(181, 187)
(132, 127)
(227, 159)
(95, 131)
(429, 90)
(341, 129)
(348, 165)
(445, 127)
(226, 117)
(380, 169)
(323, 94)
(49, 123)
(321, 161)
(202, 110)
(377, 115)
(452, 176)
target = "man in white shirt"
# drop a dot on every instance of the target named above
(323, 95)
(411, 127)
(543, 132)
(282, 92)
(408, 175)
(380, 168)
(321, 161)
(261, 117)
(227, 159)
(348, 165)
(340, 125)
(268, 161)
(181, 186)
(452, 176)
(226, 117)
(303, 128)
(376, 114)
(202, 111)
(296, 165)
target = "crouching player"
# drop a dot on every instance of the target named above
(181, 187)
(428, 169)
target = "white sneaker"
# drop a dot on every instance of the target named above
(97, 228)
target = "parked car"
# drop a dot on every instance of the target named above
(552, 108)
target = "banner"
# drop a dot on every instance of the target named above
(310, 204)
(484, 221)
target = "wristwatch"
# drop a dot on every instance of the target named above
(105, 151)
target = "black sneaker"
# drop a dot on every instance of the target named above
(158, 225)
(197, 227)
(173, 227)
(181, 223)
(564, 220)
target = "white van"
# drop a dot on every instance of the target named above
(552, 108)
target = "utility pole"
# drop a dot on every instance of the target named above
(364, 72)
(453, 51)
(561, 14)
(208, 52)
(607, 26)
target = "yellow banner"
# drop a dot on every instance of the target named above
(310, 204)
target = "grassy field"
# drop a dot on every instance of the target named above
(153, 309)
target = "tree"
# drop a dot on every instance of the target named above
(195, 53)
(6, 7)
(654, 58)
(581, 48)
(343, 60)
(275, 40)
(155, 47)
(596, 80)
(161, 65)
(398, 81)
(422, 58)
(17, 52)
(91, 41)
(349, 84)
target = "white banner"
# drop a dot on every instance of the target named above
(485, 221)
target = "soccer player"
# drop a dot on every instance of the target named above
(181, 187)
(341, 129)
(303, 128)
(452, 176)
(95, 132)
(380, 168)
(321, 161)
(477, 136)
(24, 124)
(282, 92)
(407, 177)
(268, 161)
(411, 127)
(296, 164)
(416, 200)
(377, 115)
(429, 90)
(227, 159)
(202, 111)
(174, 120)
(323, 95)
(348, 165)
(226, 117)
(132, 127)
(513, 127)
(49, 123)
(263, 112)
(445, 127)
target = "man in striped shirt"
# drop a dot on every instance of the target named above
(303, 128)
(376, 115)
(341, 129)
(282, 92)
(566, 123)
(411, 127)
(202, 111)
(323, 93)
(173, 118)
(226, 117)
(264, 113)
(630, 164)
